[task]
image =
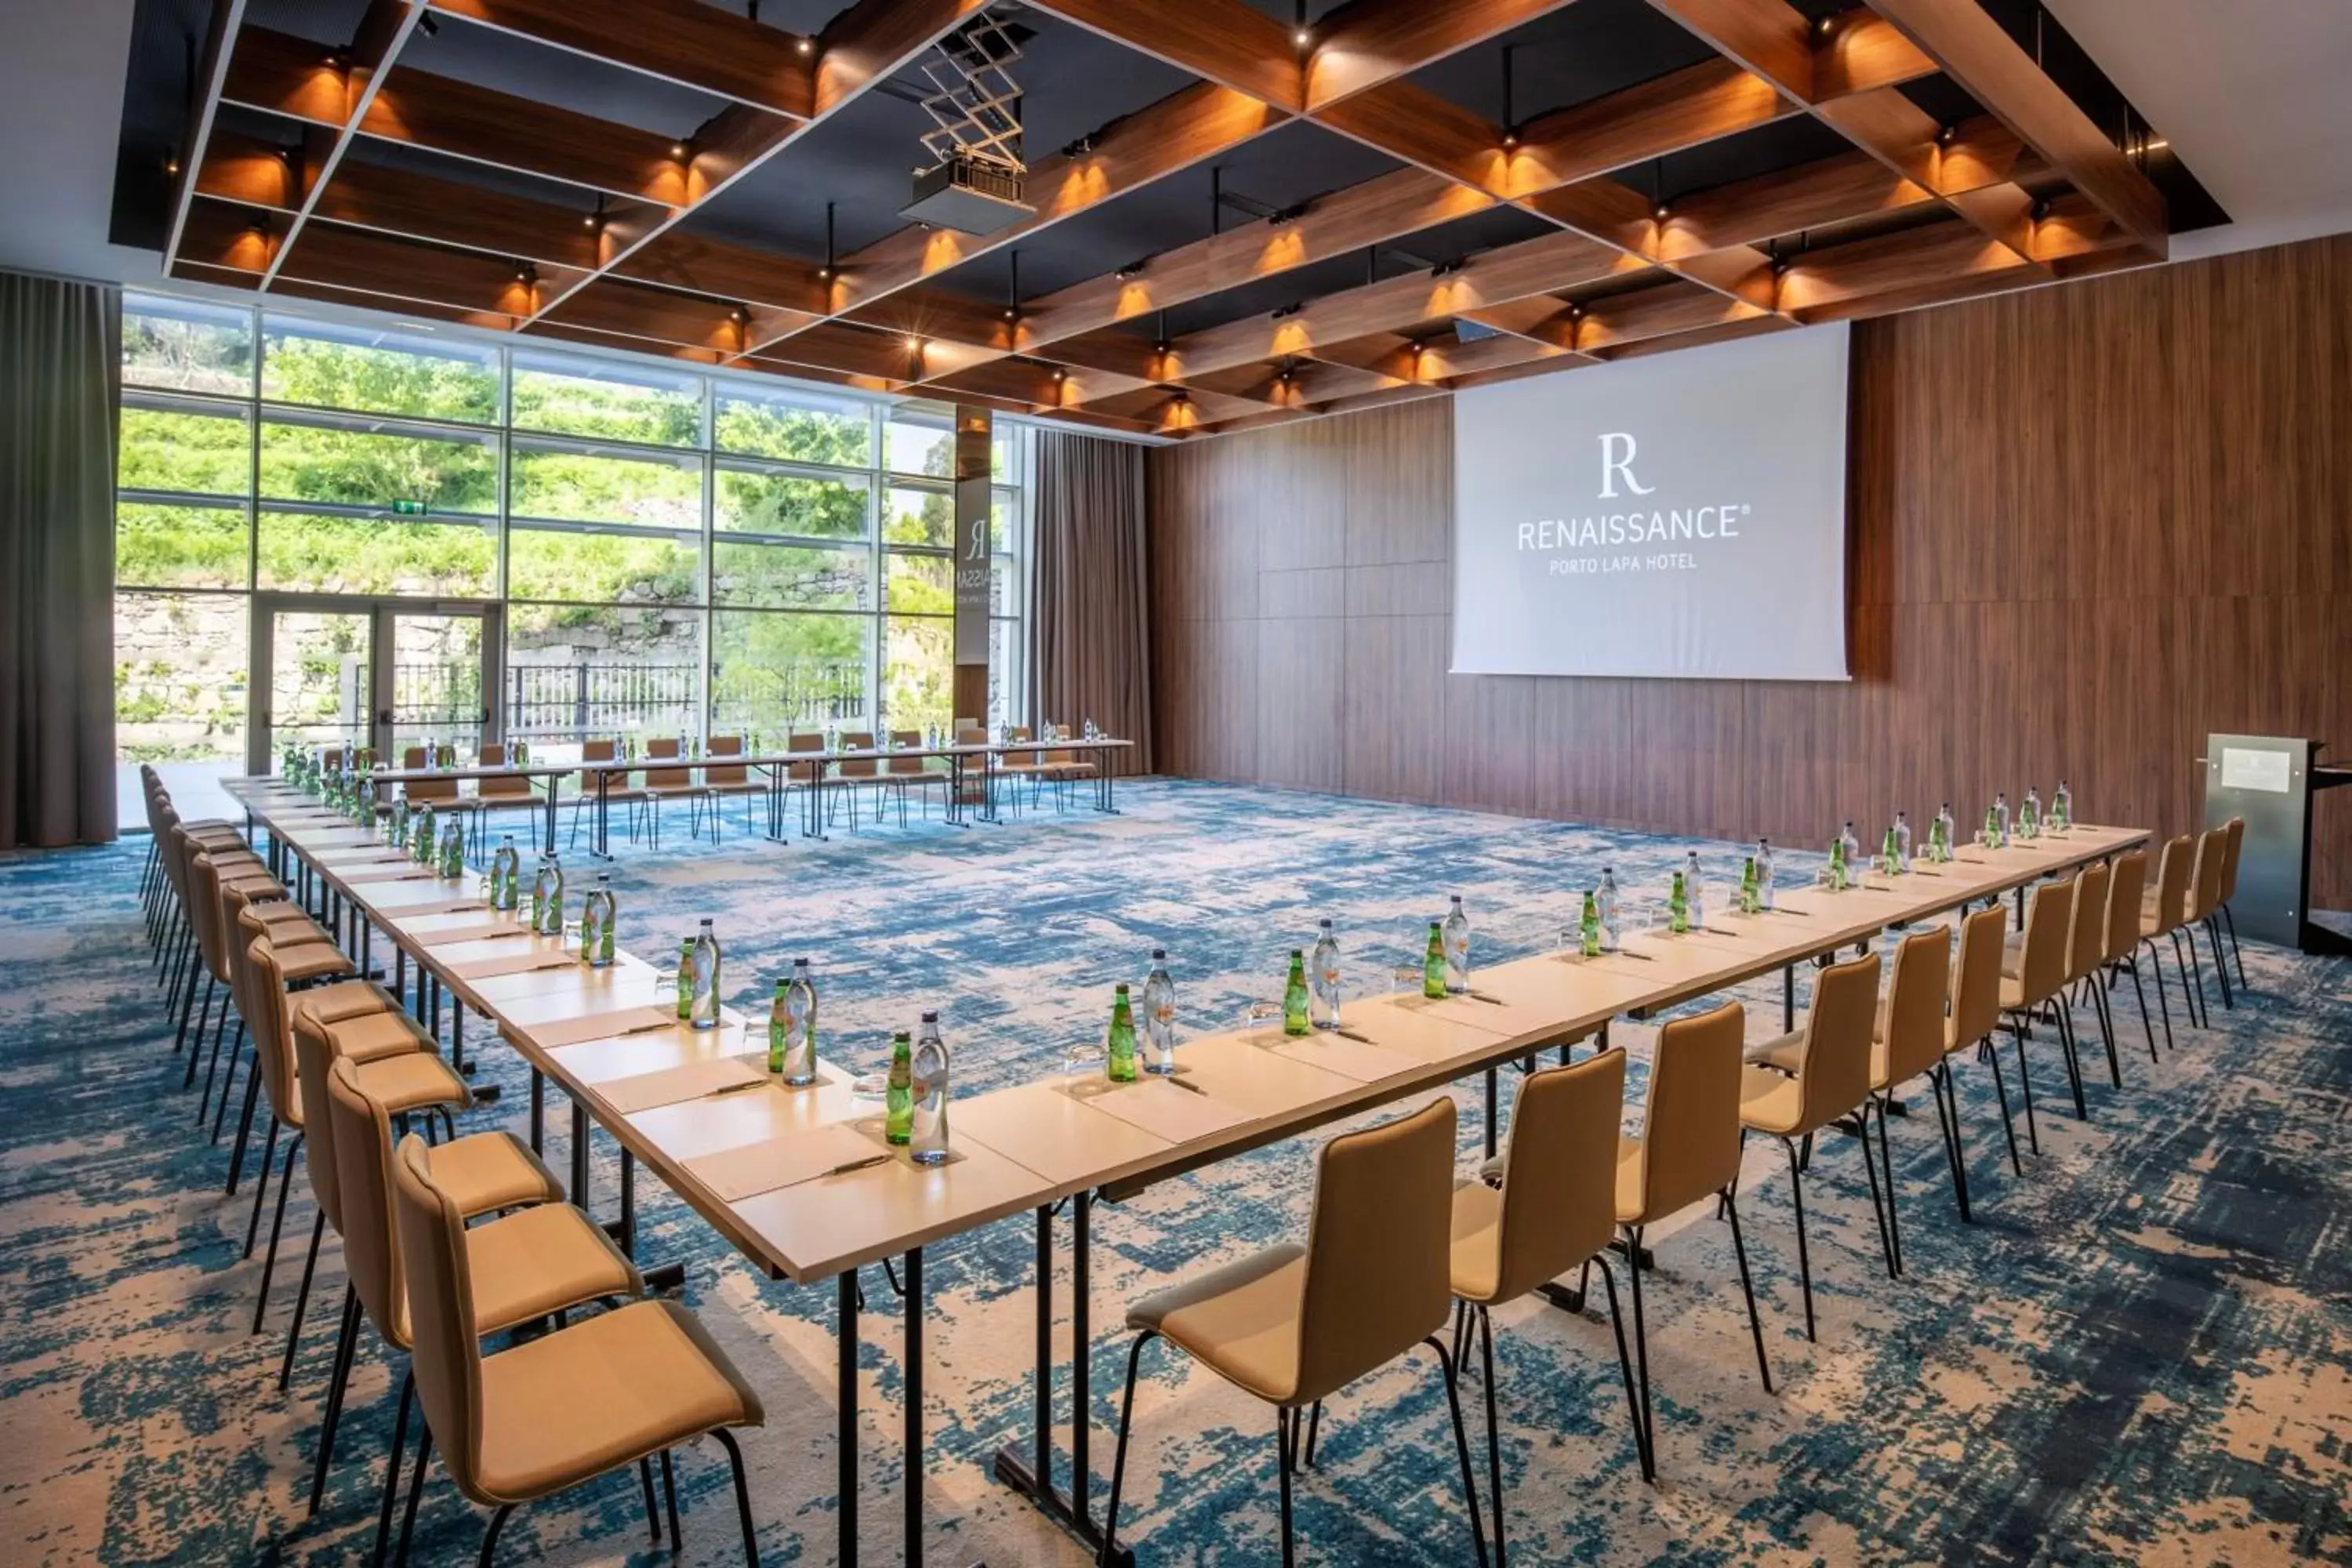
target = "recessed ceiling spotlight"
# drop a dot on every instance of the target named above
(681, 150)
(1947, 135)
(1132, 270)
(1510, 138)
(1080, 147)
(1447, 269)
(1823, 25)
(806, 44)
(171, 165)
(526, 273)
(914, 344)
(1060, 375)
(1662, 212)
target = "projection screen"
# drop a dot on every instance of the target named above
(1681, 515)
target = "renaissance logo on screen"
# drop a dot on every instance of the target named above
(1682, 515)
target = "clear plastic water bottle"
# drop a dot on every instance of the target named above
(1951, 827)
(1159, 1017)
(597, 913)
(1902, 842)
(1694, 889)
(1323, 974)
(2000, 819)
(798, 1064)
(1457, 948)
(708, 957)
(547, 897)
(452, 848)
(1852, 845)
(927, 1139)
(2061, 806)
(1764, 873)
(423, 837)
(506, 875)
(1610, 908)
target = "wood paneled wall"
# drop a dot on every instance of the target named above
(2089, 524)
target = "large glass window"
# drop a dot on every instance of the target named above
(676, 549)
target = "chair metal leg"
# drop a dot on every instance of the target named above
(301, 1301)
(1118, 1456)
(1493, 1439)
(1626, 1372)
(244, 1126)
(1461, 1447)
(391, 1467)
(270, 1259)
(491, 1535)
(2235, 951)
(1886, 1244)
(1804, 1258)
(1746, 1288)
(2072, 1052)
(261, 1187)
(2189, 995)
(346, 1341)
(742, 1496)
(1990, 1050)
(220, 1112)
(2025, 1090)
(669, 1498)
(1284, 1439)
(415, 1491)
(2221, 964)
(1947, 1112)
(2146, 1019)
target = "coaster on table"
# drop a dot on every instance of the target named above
(755, 1168)
(687, 1081)
(1160, 1109)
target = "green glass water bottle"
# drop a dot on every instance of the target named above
(684, 978)
(1432, 961)
(1747, 898)
(1837, 865)
(1678, 907)
(898, 1099)
(1890, 854)
(1589, 929)
(1119, 1053)
(1295, 1020)
(779, 1029)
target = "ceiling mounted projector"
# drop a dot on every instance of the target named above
(975, 182)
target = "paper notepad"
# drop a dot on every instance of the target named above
(1160, 1109)
(521, 960)
(687, 1081)
(1349, 1058)
(739, 1173)
(477, 930)
(557, 1032)
(390, 871)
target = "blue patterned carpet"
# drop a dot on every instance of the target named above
(2141, 1354)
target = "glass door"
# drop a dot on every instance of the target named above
(437, 678)
(313, 677)
(330, 670)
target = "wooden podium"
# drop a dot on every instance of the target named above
(2269, 779)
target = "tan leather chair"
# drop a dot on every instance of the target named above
(1976, 1014)
(1825, 1080)
(2204, 911)
(907, 769)
(1555, 1210)
(176, 842)
(1016, 765)
(537, 1262)
(442, 794)
(210, 880)
(1292, 1324)
(674, 783)
(2086, 949)
(407, 1079)
(971, 734)
(1688, 1150)
(853, 775)
(2162, 910)
(552, 1412)
(2032, 973)
(2234, 842)
(486, 1172)
(2126, 892)
(618, 790)
(501, 792)
(723, 779)
(1908, 1042)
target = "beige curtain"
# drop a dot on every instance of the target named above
(1089, 644)
(60, 353)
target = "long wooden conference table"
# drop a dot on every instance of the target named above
(789, 1176)
(971, 772)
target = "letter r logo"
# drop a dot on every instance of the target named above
(1617, 450)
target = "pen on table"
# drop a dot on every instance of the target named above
(1187, 1087)
(1482, 996)
(866, 1163)
(733, 1088)
(1351, 1034)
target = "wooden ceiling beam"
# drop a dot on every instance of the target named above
(608, 304)
(247, 169)
(367, 262)
(1414, 124)
(419, 109)
(205, 97)
(1541, 265)
(1860, 51)
(677, 259)
(1940, 253)
(1370, 43)
(1811, 195)
(1974, 50)
(402, 202)
(1770, 39)
(1399, 202)
(221, 237)
(681, 41)
(1227, 42)
(385, 26)
(1682, 110)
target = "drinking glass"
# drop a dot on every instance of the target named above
(1405, 979)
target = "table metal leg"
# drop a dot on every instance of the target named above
(537, 1111)
(1787, 998)
(845, 1373)
(554, 788)
(579, 1158)
(1032, 1473)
